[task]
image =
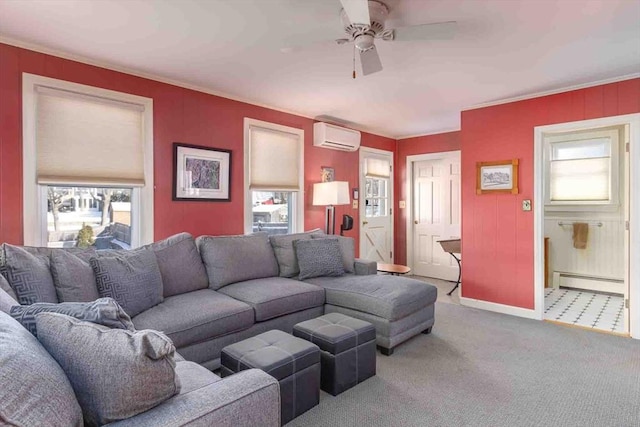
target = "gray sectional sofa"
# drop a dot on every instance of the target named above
(218, 290)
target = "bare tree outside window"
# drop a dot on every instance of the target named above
(74, 213)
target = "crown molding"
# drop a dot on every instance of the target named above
(553, 91)
(429, 134)
(158, 78)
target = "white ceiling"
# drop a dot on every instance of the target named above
(503, 49)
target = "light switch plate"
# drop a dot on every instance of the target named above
(526, 205)
(402, 204)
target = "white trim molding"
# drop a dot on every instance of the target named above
(499, 308)
(553, 91)
(298, 221)
(409, 199)
(633, 121)
(429, 133)
(34, 223)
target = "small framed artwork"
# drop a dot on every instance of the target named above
(201, 173)
(497, 177)
(327, 174)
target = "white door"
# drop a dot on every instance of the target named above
(436, 215)
(376, 214)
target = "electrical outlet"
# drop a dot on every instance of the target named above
(355, 204)
(402, 204)
(526, 205)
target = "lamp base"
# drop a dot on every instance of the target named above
(330, 220)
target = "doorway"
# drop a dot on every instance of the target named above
(434, 213)
(584, 210)
(376, 212)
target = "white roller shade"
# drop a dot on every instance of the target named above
(377, 168)
(88, 140)
(275, 160)
(581, 179)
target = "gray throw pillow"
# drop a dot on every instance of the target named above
(28, 275)
(103, 311)
(231, 259)
(347, 249)
(73, 276)
(282, 245)
(6, 300)
(319, 257)
(5, 286)
(34, 390)
(116, 374)
(180, 264)
(131, 278)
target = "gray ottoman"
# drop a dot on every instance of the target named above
(294, 362)
(348, 349)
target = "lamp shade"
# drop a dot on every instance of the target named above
(331, 193)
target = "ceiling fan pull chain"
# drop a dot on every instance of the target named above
(354, 61)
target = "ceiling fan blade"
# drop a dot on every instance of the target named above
(357, 11)
(370, 61)
(436, 31)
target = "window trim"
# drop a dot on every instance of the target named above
(34, 195)
(297, 221)
(615, 170)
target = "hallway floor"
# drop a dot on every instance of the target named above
(585, 308)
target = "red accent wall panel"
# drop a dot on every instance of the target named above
(497, 236)
(449, 141)
(180, 115)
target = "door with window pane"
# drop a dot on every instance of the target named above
(376, 209)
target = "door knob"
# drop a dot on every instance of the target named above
(415, 221)
(365, 222)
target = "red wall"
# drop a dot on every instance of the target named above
(497, 236)
(180, 115)
(449, 141)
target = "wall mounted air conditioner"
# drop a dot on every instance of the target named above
(335, 137)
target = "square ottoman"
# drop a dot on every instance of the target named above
(294, 362)
(348, 349)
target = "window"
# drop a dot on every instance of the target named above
(88, 216)
(377, 173)
(583, 168)
(88, 166)
(273, 178)
(376, 198)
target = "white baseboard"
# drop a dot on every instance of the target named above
(499, 308)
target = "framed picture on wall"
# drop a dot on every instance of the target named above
(497, 177)
(327, 174)
(201, 173)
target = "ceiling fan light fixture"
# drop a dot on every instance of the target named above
(364, 42)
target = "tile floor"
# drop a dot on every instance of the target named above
(585, 308)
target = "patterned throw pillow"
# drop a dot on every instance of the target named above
(28, 275)
(103, 311)
(115, 374)
(285, 254)
(347, 249)
(132, 278)
(319, 257)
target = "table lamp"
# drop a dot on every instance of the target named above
(330, 194)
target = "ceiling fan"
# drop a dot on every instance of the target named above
(364, 21)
